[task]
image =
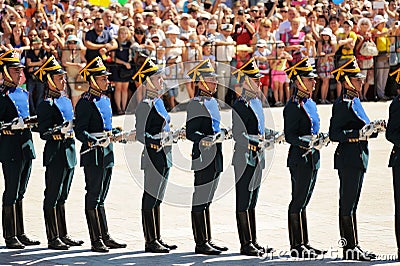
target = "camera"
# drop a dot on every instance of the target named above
(240, 12)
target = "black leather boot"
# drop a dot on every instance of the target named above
(92, 219)
(199, 226)
(304, 230)
(253, 228)
(156, 212)
(150, 233)
(208, 220)
(53, 241)
(108, 241)
(368, 254)
(350, 250)
(9, 228)
(62, 228)
(24, 239)
(397, 232)
(246, 246)
(297, 248)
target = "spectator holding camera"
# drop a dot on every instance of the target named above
(294, 40)
(244, 30)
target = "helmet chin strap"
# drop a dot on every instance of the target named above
(301, 83)
(249, 93)
(5, 71)
(349, 82)
(50, 80)
(205, 85)
(96, 86)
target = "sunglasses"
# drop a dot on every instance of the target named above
(283, 11)
(266, 26)
(280, 47)
(33, 35)
(73, 42)
(69, 30)
(254, 11)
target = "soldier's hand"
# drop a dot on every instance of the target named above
(17, 123)
(103, 142)
(67, 127)
(366, 131)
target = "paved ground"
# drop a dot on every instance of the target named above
(124, 201)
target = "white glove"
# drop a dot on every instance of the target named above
(317, 143)
(17, 123)
(268, 144)
(67, 127)
(167, 139)
(366, 131)
(103, 142)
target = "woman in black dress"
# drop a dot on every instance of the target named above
(121, 69)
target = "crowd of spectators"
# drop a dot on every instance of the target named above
(174, 33)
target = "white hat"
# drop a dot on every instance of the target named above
(173, 29)
(261, 43)
(378, 19)
(185, 15)
(327, 31)
(205, 15)
(227, 27)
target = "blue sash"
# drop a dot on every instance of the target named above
(359, 110)
(103, 104)
(160, 108)
(310, 108)
(20, 98)
(256, 106)
(65, 106)
(213, 108)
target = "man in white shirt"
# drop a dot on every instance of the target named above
(108, 16)
(224, 51)
(285, 25)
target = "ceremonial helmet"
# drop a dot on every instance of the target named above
(247, 72)
(299, 70)
(48, 69)
(203, 70)
(349, 69)
(93, 69)
(9, 59)
(147, 69)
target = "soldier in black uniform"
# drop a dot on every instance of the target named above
(16, 150)
(301, 119)
(55, 118)
(248, 161)
(93, 127)
(393, 135)
(202, 122)
(152, 120)
(351, 155)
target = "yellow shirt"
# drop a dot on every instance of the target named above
(383, 42)
(347, 52)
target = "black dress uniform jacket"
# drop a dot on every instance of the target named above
(19, 145)
(149, 121)
(49, 116)
(393, 131)
(198, 126)
(298, 124)
(89, 120)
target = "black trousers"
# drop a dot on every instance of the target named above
(58, 183)
(155, 183)
(396, 189)
(303, 182)
(205, 184)
(351, 179)
(16, 177)
(247, 186)
(97, 181)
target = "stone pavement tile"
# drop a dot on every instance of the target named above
(123, 206)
